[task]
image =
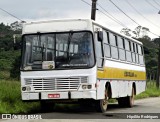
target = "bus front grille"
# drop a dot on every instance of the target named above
(48, 84)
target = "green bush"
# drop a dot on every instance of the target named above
(4, 74)
(9, 64)
(15, 70)
(5, 64)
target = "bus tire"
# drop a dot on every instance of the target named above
(121, 102)
(101, 105)
(130, 99)
(127, 101)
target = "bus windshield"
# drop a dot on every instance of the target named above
(58, 51)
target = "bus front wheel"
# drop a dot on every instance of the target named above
(101, 105)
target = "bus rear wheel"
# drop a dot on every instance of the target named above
(127, 101)
(130, 99)
(101, 105)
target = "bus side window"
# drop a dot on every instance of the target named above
(112, 39)
(99, 52)
(114, 48)
(107, 50)
(121, 49)
(133, 52)
(137, 57)
(128, 50)
(141, 61)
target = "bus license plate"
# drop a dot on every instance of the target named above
(53, 95)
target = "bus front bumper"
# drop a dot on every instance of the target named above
(58, 95)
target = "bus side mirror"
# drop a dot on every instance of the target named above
(100, 36)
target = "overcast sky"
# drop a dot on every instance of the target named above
(35, 10)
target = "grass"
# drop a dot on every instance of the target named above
(4, 74)
(10, 98)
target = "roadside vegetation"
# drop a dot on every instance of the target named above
(10, 99)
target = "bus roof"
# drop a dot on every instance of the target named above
(57, 26)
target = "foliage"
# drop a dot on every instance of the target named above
(15, 71)
(10, 99)
(4, 74)
(9, 64)
(16, 26)
(6, 38)
(9, 58)
(138, 32)
(126, 31)
(147, 42)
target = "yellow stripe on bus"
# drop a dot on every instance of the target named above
(116, 73)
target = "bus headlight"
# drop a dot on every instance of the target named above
(23, 88)
(26, 88)
(86, 86)
(89, 86)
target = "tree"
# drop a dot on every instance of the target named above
(17, 26)
(144, 31)
(9, 59)
(15, 70)
(126, 31)
(137, 31)
(157, 41)
(6, 42)
(141, 31)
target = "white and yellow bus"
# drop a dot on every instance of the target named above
(78, 59)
